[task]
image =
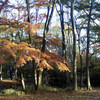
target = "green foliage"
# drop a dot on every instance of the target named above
(48, 88)
(11, 92)
(69, 89)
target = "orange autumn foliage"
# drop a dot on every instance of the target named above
(6, 52)
(22, 52)
(31, 28)
(61, 63)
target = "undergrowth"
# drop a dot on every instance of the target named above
(11, 92)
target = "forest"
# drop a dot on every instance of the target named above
(50, 48)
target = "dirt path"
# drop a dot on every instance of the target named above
(84, 95)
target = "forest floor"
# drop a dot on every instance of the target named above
(62, 95)
(51, 95)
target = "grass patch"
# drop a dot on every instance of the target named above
(44, 88)
(11, 92)
(68, 89)
(48, 88)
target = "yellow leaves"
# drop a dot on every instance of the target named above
(23, 44)
(6, 51)
(37, 25)
(27, 58)
(11, 44)
(58, 60)
(3, 42)
(9, 49)
(23, 53)
(48, 60)
(45, 56)
(21, 47)
(20, 62)
(44, 65)
(3, 28)
(32, 28)
(9, 52)
(12, 30)
(62, 67)
(35, 53)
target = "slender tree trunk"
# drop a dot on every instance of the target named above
(28, 19)
(87, 53)
(46, 29)
(47, 24)
(16, 73)
(36, 74)
(80, 56)
(81, 76)
(39, 78)
(61, 14)
(22, 81)
(69, 44)
(62, 30)
(68, 56)
(81, 66)
(74, 47)
(1, 72)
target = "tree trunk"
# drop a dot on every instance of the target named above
(61, 14)
(80, 56)
(47, 24)
(1, 72)
(28, 19)
(63, 34)
(36, 74)
(22, 81)
(74, 47)
(46, 29)
(81, 76)
(87, 53)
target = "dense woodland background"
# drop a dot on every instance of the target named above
(50, 43)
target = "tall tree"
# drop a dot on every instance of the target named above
(50, 11)
(74, 46)
(88, 43)
(80, 55)
(35, 71)
(28, 18)
(61, 15)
